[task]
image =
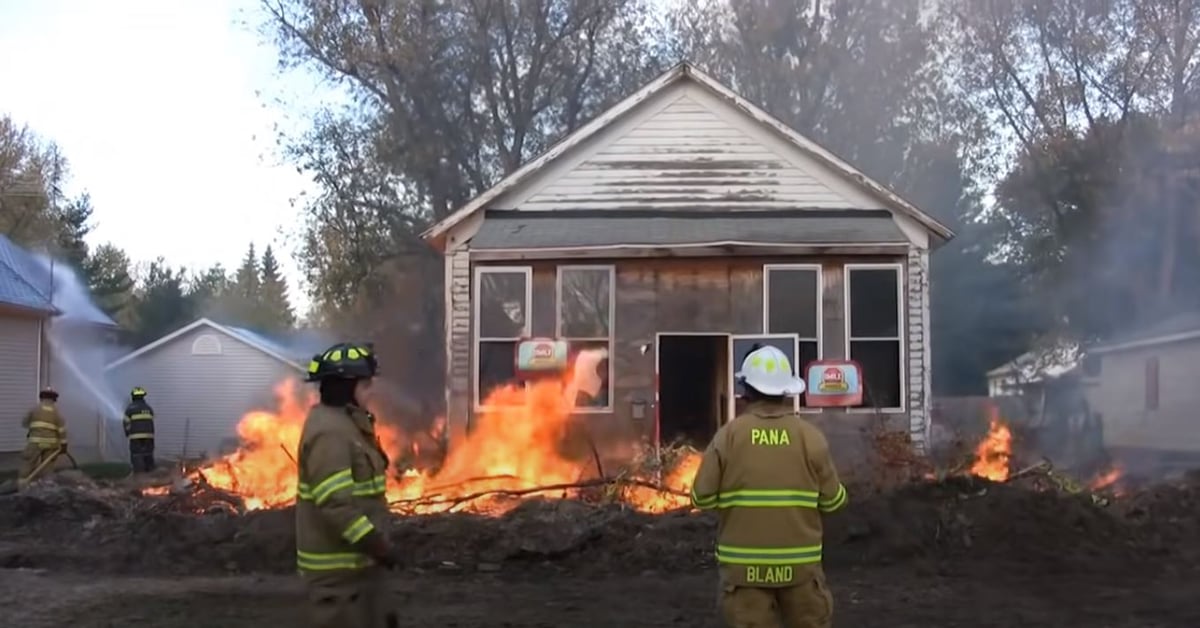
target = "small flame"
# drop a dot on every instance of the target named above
(1106, 479)
(994, 452)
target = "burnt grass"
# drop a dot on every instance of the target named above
(962, 526)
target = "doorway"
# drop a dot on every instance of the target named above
(692, 386)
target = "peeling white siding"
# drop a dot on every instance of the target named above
(20, 339)
(458, 336)
(917, 315)
(198, 399)
(695, 152)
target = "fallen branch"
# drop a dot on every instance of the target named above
(452, 503)
(289, 454)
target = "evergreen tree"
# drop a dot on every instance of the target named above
(274, 309)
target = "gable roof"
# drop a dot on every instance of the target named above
(1182, 326)
(244, 336)
(25, 281)
(685, 71)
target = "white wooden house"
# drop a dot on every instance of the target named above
(676, 229)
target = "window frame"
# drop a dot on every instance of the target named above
(820, 339)
(476, 289)
(612, 325)
(901, 328)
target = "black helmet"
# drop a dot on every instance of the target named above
(137, 393)
(48, 393)
(344, 361)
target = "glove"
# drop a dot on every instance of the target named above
(377, 546)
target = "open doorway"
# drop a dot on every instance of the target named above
(692, 386)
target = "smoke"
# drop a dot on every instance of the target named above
(81, 344)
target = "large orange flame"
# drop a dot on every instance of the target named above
(515, 444)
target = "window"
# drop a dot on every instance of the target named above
(1152, 383)
(585, 317)
(502, 305)
(792, 305)
(873, 328)
(207, 344)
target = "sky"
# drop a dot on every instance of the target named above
(166, 111)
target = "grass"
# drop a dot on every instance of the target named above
(94, 470)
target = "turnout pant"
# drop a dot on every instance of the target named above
(804, 605)
(32, 456)
(347, 599)
(141, 454)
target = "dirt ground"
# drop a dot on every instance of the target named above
(961, 553)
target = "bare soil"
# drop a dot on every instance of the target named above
(960, 553)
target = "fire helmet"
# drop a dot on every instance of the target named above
(344, 361)
(769, 371)
(48, 393)
(137, 393)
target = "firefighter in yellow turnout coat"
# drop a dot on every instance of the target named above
(47, 432)
(341, 508)
(769, 475)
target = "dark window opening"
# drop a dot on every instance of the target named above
(692, 376)
(874, 340)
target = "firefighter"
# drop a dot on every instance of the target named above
(769, 475)
(47, 432)
(139, 429)
(341, 508)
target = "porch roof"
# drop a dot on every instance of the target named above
(530, 230)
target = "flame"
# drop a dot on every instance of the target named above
(993, 453)
(526, 438)
(1106, 479)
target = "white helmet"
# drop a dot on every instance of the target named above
(769, 371)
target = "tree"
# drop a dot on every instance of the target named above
(448, 97)
(108, 272)
(275, 309)
(162, 304)
(211, 292)
(1084, 97)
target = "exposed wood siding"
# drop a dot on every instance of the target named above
(1119, 394)
(19, 342)
(199, 399)
(717, 295)
(458, 336)
(697, 152)
(918, 367)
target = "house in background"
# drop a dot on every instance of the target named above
(203, 378)
(1028, 372)
(676, 230)
(1143, 386)
(49, 336)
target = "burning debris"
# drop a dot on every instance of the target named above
(517, 449)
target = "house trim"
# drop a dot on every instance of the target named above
(438, 231)
(203, 322)
(710, 249)
(901, 331)
(612, 329)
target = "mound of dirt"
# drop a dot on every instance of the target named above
(104, 528)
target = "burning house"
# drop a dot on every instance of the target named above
(673, 232)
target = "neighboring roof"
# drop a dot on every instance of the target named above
(247, 337)
(511, 230)
(300, 349)
(686, 71)
(26, 281)
(1183, 326)
(1051, 362)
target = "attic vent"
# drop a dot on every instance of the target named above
(207, 344)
